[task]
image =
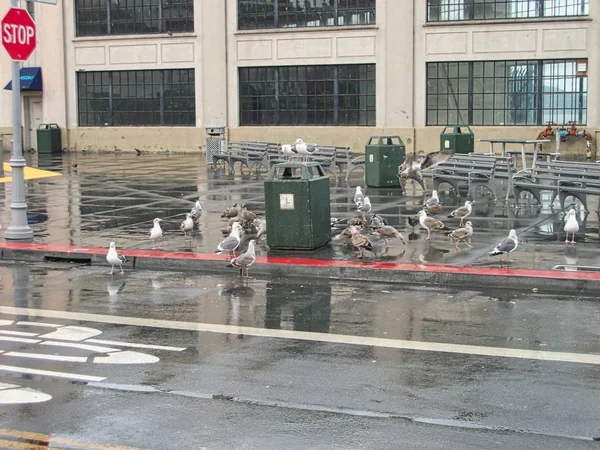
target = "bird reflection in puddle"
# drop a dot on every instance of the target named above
(114, 287)
(571, 259)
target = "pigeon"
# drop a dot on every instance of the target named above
(261, 227)
(231, 211)
(412, 169)
(231, 242)
(413, 222)
(359, 241)
(433, 205)
(138, 152)
(463, 211)
(289, 150)
(462, 234)
(305, 149)
(387, 232)
(187, 225)
(506, 245)
(155, 232)
(115, 259)
(571, 227)
(245, 260)
(364, 208)
(429, 223)
(377, 221)
(359, 197)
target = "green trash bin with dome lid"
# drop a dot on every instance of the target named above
(48, 138)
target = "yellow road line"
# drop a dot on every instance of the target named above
(47, 440)
(29, 173)
(21, 445)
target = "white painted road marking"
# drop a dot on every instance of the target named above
(14, 394)
(581, 358)
(132, 345)
(49, 373)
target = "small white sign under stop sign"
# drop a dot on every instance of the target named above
(286, 201)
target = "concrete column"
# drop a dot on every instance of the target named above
(214, 62)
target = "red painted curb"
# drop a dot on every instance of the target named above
(307, 262)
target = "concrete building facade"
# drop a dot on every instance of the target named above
(329, 71)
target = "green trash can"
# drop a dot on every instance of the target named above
(297, 206)
(458, 139)
(48, 138)
(383, 155)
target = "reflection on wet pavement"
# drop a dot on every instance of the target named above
(114, 197)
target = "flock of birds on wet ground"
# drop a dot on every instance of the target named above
(359, 231)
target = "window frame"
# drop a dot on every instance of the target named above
(309, 95)
(506, 92)
(442, 11)
(102, 19)
(334, 15)
(129, 98)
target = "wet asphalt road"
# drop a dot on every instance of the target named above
(303, 372)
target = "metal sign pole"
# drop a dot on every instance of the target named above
(18, 228)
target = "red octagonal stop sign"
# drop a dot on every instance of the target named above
(18, 34)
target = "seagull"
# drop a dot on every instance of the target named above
(115, 259)
(156, 232)
(196, 210)
(506, 245)
(187, 225)
(429, 223)
(289, 150)
(377, 221)
(247, 216)
(359, 241)
(387, 232)
(231, 242)
(463, 211)
(412, 169)
(231, 211)
(357, 221)
(245, 260)
(462, 234)
(572, 226)
(433, 205)
(359, 197)
(305, 149)
(364, 208)
(261, 227)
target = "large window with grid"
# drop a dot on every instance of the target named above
(106, 17)
(307, 95)
(136, 98)
(447, 10)
(259, 14)
(529, 92)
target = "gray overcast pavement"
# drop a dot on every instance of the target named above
(238, 391)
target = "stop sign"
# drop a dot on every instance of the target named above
(18, 34)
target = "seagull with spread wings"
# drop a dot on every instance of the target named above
(413, 169)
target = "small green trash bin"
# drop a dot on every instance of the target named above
(383, 155)
(458, 139)
(48, 138)
(297, 206)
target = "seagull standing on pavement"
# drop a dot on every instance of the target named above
(572, 226)
(506, 245)
(359, 197)
(364, 208)
(245, 260)
(429, 223)
(359, 241)
(187, 225)
(462, 234)
(155, 232)
(463, 212)
(231, 242)
(433, 205)
(387, 232)
(196, 212)
(115, 259)
(231, 211)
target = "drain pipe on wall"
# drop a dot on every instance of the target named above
(65, 76)
(414, 132)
